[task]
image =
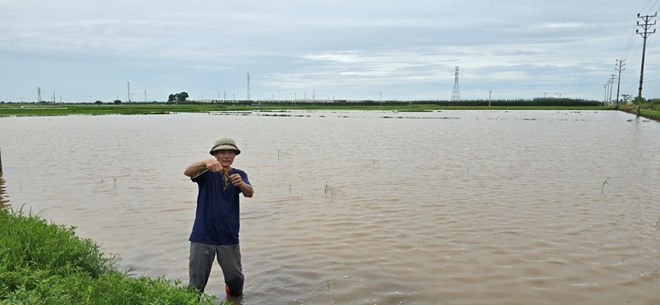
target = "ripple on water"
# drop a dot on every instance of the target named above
(493, 208)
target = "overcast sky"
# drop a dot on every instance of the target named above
(88, 50)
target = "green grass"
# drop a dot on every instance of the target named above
(649, 110)
(42, 263)
(49, 109)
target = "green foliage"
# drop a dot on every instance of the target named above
(181, 97)
(626, 98)
(60, 252)
(178, 97)
(649, 109)
(655, 104)
(192, 106)
(43, 263)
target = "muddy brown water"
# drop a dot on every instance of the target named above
(451, 207)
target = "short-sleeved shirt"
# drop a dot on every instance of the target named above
(217, 219)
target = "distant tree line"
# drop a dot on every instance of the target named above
(182, 97)
(518, 102)
(513, 102)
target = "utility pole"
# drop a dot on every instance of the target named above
(620, 64)
(612, 77)
(645, 34)
(39, 94)
(128, 84)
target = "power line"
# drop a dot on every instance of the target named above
(620, 64)
(645, 34)
(631, 40)
(647, 4)
(611, 82)
(634, 44)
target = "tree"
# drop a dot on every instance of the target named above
(178, 97)
(626, 98)
(181, 97)
(117, 102)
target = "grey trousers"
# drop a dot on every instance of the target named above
(229, 259)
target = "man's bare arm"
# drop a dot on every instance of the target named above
(198, 167)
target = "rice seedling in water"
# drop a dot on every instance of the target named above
(331, 191)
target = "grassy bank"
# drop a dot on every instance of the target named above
(47, 109)
(42, 263)
(649, 110)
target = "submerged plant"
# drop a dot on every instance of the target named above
(331, 191)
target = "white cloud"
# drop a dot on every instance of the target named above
(562, 25)
(353, 48)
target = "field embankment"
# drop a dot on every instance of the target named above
(49, 109)
(649, 110)
(42, 263)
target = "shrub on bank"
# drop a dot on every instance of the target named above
(43, 263)
(649, 109)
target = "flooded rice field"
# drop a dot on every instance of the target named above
(450, 207)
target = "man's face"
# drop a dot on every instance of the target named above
(225, 157)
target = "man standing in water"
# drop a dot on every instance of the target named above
(215, 231)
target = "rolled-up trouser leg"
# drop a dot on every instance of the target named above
(199, 265)
(229, 258)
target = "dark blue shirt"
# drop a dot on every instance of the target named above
(217, 219)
